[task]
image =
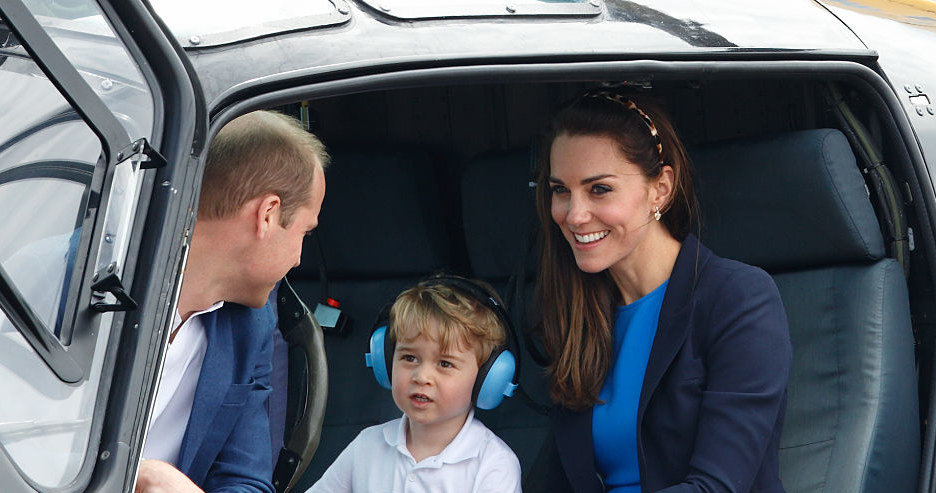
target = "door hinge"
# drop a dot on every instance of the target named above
(149, 158)
(108, 282)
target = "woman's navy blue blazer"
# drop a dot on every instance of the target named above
(714, 394)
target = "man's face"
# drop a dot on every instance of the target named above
(282, 250)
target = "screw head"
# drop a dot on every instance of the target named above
(919, 88)
(919, 110)
(194, 40)
(107, 84)
(511, 9)
(931, 110)
(908, 88)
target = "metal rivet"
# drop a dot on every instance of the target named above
(136, 146)
(919, 88)
(931, 110)
(109, 238)
(165, 183)
(282, 299)
(120, 156)
(111, 266)
(908, 88)
(105, 455)
(511, 9)
(297, 314)
(195, 40)
(94, 278)
(919, 110)
(107, 84)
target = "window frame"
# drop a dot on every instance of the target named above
(155, 254)
(63, 361)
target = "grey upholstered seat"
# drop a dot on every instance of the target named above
(498, 217)
(796, 205)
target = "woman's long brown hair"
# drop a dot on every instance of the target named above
(576, 307)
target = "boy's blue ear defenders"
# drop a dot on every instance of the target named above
(496, 377)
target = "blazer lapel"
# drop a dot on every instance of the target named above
(573, 431)
(213, 384)
(674, 317)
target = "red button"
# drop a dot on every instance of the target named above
(332, 302)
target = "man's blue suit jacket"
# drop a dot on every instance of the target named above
(713, 398)
(226, 446)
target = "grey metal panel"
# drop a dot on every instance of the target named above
(906, 57)
(662, 29)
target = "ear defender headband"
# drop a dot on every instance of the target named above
(627, 103)
(497, 376)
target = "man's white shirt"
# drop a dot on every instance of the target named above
(176, 392)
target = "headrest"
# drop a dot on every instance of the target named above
(786, 201)
(498, 213)
(381, 216)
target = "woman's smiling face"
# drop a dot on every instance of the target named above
(602, 202)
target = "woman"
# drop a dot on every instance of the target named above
(669, 364)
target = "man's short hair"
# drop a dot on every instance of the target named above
(461, 319)
(259, 153)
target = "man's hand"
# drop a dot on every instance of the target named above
(156, 476)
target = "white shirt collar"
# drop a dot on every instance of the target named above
(177, 318)
(466, 444)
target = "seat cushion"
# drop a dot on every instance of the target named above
(381, 217)
(787, 201)
(852, 413)
(498, 214)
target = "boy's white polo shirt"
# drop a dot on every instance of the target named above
(377, 461)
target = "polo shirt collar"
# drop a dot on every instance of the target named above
(466, 444)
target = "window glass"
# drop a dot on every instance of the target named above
(430, 9)
(53, 189)
(45, 428)
(84, 36)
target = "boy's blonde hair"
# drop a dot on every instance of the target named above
(462, 321)
(258, 153)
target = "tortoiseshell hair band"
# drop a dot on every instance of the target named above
(627, 103)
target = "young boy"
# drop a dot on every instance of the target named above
(442, 335)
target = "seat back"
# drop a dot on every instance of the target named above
(381, 229)
(498, 217)
(796, 205)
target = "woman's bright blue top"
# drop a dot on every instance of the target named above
(614, 423)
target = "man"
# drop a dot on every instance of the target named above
(261, 194)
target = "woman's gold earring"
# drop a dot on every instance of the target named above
(656, 213)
